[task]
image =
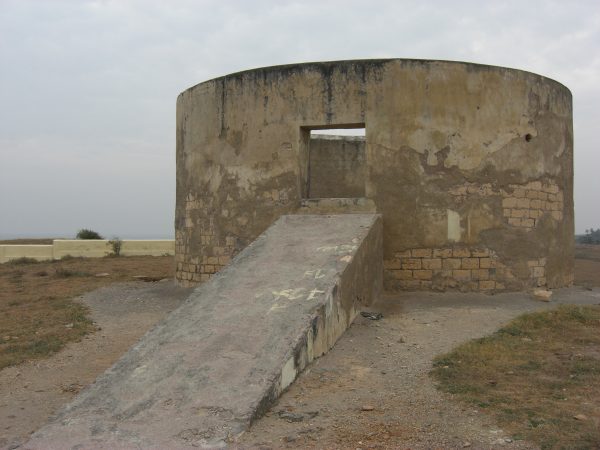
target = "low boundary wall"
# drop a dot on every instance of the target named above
(89, 248)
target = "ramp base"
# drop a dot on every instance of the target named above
(202, 375)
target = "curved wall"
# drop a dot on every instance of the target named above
(470, 165)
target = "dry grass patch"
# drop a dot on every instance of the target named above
(587, 251)
(38, 315)
(587, 265)
(539, 376)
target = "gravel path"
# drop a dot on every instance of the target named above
(384, 365)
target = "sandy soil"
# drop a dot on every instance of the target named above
(371, 391)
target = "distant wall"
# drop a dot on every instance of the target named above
(39, 252)
(337, 167)
(90, 248)
(86, 248)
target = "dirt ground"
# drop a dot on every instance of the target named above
(37, 316)
(371, 391)
(384, 365)
(31, 392)
(587, 265)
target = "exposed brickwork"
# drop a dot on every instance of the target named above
(523, 204)
(462, 268)
(216, 253)
(457, 267)
(526, 204)
(537, 269)
(213, 251)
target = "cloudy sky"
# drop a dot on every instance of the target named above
(88, 88)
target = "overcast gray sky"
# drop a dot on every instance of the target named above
(88, 88)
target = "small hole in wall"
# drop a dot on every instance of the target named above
(528, 137)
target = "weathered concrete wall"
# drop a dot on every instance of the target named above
(38, 252)
(460, 159)
(157, 247)
(88, 248)
(337, 167)
(99, 248)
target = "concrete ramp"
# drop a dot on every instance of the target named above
(202, 375)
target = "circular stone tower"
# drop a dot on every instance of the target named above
(471, 167)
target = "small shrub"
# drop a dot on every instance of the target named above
(22, 261)
(62, 273)
(66, 273)
(116, 244)
(84, 233)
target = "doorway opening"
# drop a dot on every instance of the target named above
(335, 161)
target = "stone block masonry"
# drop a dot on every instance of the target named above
(461, 268)
(523, 205)
(190, 270)
(526, 204)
